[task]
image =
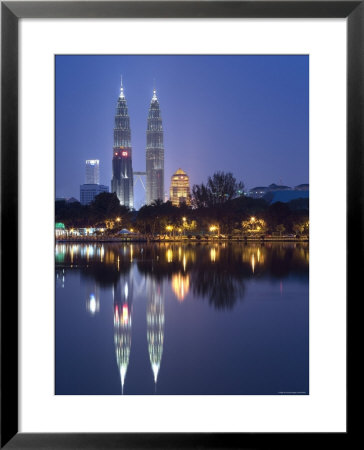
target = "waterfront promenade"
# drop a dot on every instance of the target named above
(185, 239)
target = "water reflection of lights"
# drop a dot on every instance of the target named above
(180, 285)
(184, 262)
(93, 305)
(125, 314)
(92, 298)
(123, 296)
(60, 278)
(155, 326)
(253, 262)
(122, 340)
(213, 254)
(169, 255)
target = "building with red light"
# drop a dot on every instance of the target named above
(122, 168)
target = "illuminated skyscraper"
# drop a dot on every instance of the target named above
(122, 169)
(180, 188)
(155, 325)
(155, 152)
(92, 171)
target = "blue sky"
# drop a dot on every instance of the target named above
(248, 115)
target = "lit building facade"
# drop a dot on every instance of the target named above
(89, 191)
(122, 168)
(154, 153)
(180, 188)
(92, 171)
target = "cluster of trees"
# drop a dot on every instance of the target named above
(219, 203)
(104, 211)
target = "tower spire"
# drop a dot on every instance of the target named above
(121, 88)
(154, 91)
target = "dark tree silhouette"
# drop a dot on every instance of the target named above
(220, 188)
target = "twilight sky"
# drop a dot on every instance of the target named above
(248, 115)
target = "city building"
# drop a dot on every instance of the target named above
(92, 171)
(89, 191)
(302, 187)
(154, 153)
(280, 193)
(122, 168)
(180, 188)
(258, 191)
(286, 196)
(261, 191)
(60, 229)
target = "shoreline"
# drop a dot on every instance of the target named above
(188, 241)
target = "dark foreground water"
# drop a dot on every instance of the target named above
(182, 318)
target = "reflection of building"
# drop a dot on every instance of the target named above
(180, 188)
(89, 191)
(180, 285)
(123, 296)
(122, 169)
(155, 325)
(155, 152)
(60, 278)
(92, 171)
(92, 298)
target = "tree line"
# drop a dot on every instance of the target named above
(220, 204)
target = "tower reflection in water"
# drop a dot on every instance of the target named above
(92, 298)
(123, 297)
(155, 325)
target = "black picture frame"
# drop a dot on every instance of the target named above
(11, 12)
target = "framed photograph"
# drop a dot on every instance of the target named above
(181, 188)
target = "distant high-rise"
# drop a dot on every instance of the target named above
(92, 171)
(122, 169)
(88, 192)
(155, 152)
(180, 188)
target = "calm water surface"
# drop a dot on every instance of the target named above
(178, 318)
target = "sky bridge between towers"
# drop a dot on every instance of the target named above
(138, 176)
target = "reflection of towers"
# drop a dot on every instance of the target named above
(155, 325)
(60, 278)
(92, 298)
(123, 296)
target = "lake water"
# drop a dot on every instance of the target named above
(178, 318)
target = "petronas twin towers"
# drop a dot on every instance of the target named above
(122, 182)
